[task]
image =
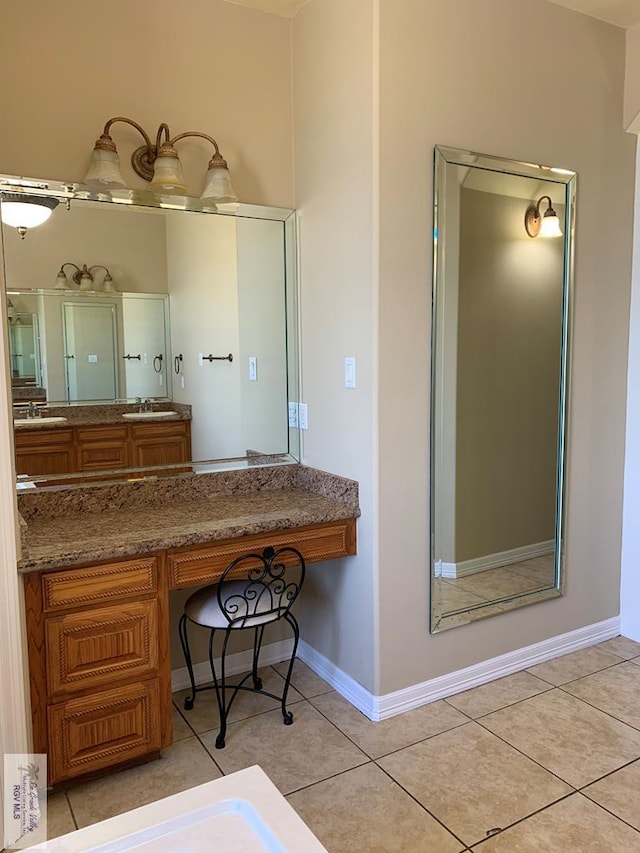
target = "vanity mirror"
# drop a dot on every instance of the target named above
(500, 345)
(204, 320)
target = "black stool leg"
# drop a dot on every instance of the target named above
(287, 716)
(184, 640)
(257, 643)
(220, 686)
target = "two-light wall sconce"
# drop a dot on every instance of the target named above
(159, 164)
(83, 277)
(547, 225)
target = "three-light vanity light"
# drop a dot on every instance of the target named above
(547, 225)
(159, 164)
(84, 278)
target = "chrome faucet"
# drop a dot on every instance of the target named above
(147, 406)
(33, 411)
(139, 404)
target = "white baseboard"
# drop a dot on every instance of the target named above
(390, 704)
(238, 662)
(494, 561)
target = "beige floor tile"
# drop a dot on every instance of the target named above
(451, 598)
(621, 646)
(181, 729)
(363, 811)
(309, 750)
(574, 825)
(575, 665)
(387, 736)
(498, 583)
(59, 817)
(540, 569)
(204, 714)
(619, 793)
(467, 616)
(497, 694)
(472, 781)
(304, 679)
(615, 690)
(181, 766)
(636, 661)
(568, 737)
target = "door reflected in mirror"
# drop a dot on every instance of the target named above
(499, 385)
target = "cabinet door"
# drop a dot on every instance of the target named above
(161, 443)
(102, 448)
(99, 646)
(45, 451)
(106, 728)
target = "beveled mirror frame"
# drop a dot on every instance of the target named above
(66, 193)
(442, 619)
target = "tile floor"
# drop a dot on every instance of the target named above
(544, 760)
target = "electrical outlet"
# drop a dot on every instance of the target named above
(253, 368)
(200, 359)
(182, 382)
(293, 414)
(303, 416)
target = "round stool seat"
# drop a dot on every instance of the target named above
(203, 607)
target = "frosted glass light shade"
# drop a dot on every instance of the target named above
(25, 211)
(108, 286)
(86, 281)
(104, 170)
(62, 281)
(218, 186)
(550, 225)
(167, 173)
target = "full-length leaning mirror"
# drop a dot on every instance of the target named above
(500, 346)
(149, 331)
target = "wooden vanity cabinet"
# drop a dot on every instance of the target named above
(41, 451)
(45, 451)
(160, 443)
(98, 640)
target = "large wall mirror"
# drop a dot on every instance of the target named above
(500, 343)
(186, 308)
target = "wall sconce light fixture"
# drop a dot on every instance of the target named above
(547, 225)
(22, 211)
(84, 278)
(158, 164)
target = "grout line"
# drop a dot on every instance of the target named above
(73, 814)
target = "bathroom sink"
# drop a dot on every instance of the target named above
(35, 421)
(145, 416)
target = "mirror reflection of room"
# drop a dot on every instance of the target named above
(134, 307)
(498, 349)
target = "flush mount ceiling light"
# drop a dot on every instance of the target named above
(22, 211)
(84, 278)
(159, 164)
(547, 225)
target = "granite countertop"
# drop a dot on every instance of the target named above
(102, 415)
(117, 521)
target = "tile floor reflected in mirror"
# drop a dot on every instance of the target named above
(544, 760)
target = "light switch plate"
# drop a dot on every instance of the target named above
(303, 416)
(253, 368)
(293, 414)
(92, 359)
(349, 372)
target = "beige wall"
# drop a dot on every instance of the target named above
(334, 108)
(449, 75)
(632, 81)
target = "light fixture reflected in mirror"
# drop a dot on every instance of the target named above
(547, 225)
(159, 164)
(22, 211)
(84, 278)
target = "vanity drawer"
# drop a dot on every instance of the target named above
(102, 645)
(117, 432)
(192, 566)
(113, 581)
(103, 729)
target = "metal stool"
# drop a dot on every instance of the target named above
(254, 590)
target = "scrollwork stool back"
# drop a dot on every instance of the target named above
(254, 590)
